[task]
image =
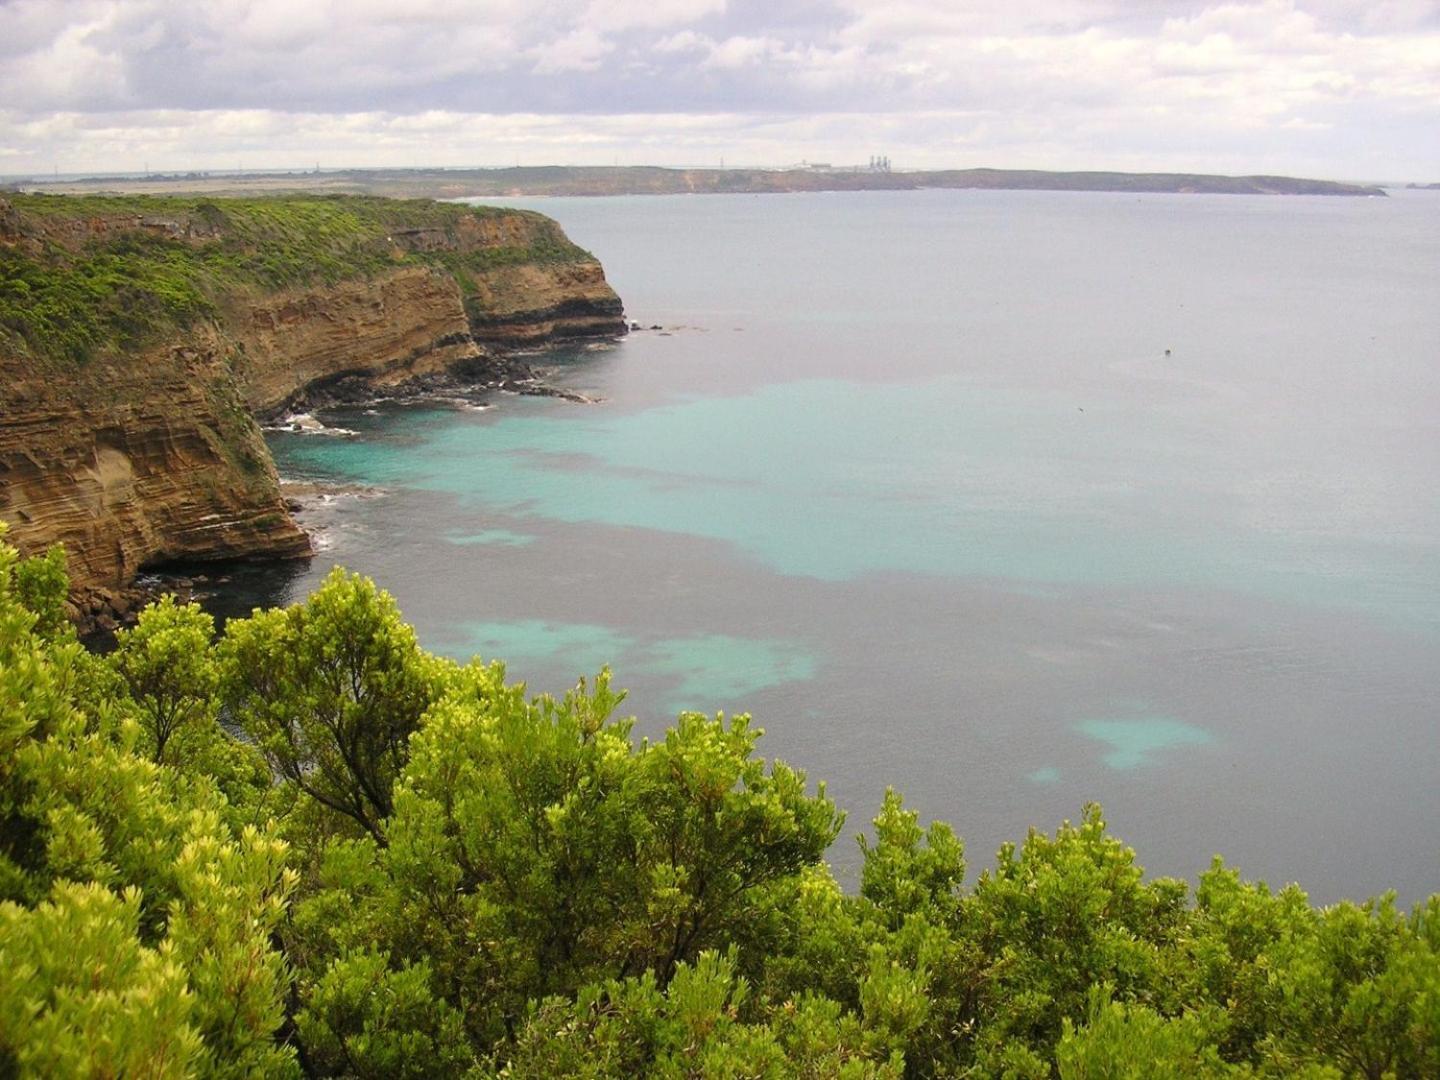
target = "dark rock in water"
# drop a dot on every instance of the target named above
(542, 390)
(471, 380)
(98, 612)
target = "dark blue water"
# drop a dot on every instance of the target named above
(912, 478)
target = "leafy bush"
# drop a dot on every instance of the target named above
(438, 875)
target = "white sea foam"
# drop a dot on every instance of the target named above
(307, 424)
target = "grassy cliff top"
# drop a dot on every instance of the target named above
(91, 276)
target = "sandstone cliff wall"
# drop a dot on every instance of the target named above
(138, 459)
(406, 323)
(528, 304)
(136, 463)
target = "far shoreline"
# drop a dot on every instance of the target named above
(602, 181)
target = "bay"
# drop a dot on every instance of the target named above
(1009, 500)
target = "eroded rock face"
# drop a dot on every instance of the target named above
(527, 304)
(132, 464)
(139, 460)
(407, 323)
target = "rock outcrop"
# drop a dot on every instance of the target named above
(405, 323)
(134, 458)
(527, 305)
(129, 464)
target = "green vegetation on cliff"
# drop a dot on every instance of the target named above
(311, 848)
(82, 276)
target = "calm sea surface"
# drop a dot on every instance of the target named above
(1008, 500)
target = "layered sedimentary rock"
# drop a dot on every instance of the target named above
(135, 457)
(134, 463)
(405, 323)
(526, 305)
(527, 302)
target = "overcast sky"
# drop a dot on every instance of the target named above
(1326, 88)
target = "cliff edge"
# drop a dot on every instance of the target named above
(140, 337)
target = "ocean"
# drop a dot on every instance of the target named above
(1011, 501)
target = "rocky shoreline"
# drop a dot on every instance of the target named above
(470, 381)
(99, 611)
(147, 452)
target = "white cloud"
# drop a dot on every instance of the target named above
(613, 15)
(741, 51)
(581, 49)
(69, 64)
(684, 41)
(1086, 82)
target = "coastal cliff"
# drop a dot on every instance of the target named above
(140, 338)
(132, 463)
(407, 322)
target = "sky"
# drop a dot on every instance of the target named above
(1325, 88)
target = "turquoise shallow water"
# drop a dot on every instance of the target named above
(707, 668)
(835, 480)
(1133, 743)
(912, 478)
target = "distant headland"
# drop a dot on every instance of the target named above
(647, 180)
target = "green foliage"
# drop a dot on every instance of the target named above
(1122, 1042)
(364, 1019)
(80, 995)
(164, 677)
(1061, 917)
(534, 849)
(901, 877)
(692, 1028)
(37, 680)
(330, 691)
(165, 263)
(118, 296)
(169, 671)
(135, 925)
(717, 831)
(1359, 990)
(41, 587)
(481, 883)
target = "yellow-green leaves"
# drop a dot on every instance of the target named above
(167, 665)
(135, 927)
(82, 996)
(1120, 1042)
(367, 1019)
(331, 690)
(908, 871)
